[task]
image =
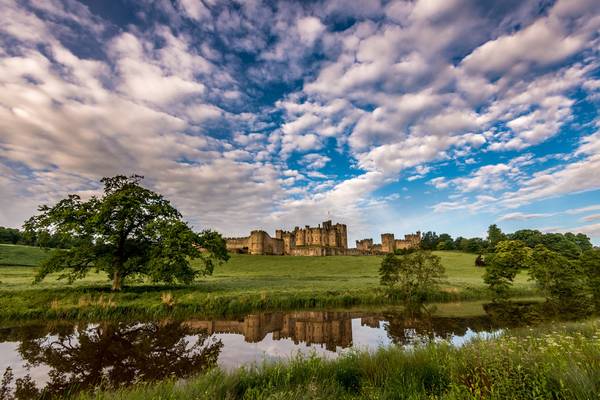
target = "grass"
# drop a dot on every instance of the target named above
(244, 284)
(548, 362)
(12, 254)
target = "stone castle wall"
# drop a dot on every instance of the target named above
(389, 243)
(323, 240)
(364, 245)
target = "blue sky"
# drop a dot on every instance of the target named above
(390, 116)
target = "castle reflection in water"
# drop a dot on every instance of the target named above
(333, 329)
(330, 328)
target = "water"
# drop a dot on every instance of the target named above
(59, 356)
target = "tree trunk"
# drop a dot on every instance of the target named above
(116, 284)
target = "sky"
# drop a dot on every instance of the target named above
(388, 116)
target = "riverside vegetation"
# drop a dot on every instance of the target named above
(546, 362)
(243, 284)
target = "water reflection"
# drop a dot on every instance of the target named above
(113, 354)
(327, 328)
(64, 357)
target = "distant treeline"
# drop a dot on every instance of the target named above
(568, 244)
(41, 239)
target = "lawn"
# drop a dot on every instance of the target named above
(242, 284)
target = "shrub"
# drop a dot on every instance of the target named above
(412, 276)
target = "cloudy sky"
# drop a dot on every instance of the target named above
(386, 115)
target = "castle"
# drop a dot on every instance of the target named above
(389, 243)
(326, 239)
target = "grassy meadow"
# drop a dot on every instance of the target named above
(546, 362)
(243, 284)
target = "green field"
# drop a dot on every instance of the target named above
(243, 284)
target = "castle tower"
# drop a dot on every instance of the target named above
(388, 243)
(343, 235)
(257, 242)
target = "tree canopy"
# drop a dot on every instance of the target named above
(561, 280)
(130, 230)
(502, 266)
(412, 275)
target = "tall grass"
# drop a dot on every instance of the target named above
(88, 304)
(560, 362)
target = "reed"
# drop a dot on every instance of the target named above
(551, 361)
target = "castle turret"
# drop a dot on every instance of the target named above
(388, 243)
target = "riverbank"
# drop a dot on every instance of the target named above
(244, 284)
(560, 360)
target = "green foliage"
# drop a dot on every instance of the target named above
(43, 238)
(560, 279)
(590, 262)
(502, 266)
(129, 231)
(568, 244)
(431, 241)
(242, 285)
(10, 235)
(559, 362)
(413, 275)
(494, 236)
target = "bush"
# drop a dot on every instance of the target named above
(412, 276)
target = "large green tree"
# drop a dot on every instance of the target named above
(561, 280)
(502, 266)
(590, 262)
(130, 230)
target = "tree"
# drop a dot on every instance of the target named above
(10, 235)
(412, 275)
(429, 241)
(502, 266)
(494, 236)
(561, 280)
(129, 230)
(445, 242)
(568, 245)
(581, 240)
(590, 262)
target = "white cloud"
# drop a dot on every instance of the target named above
(439, 182)
(315, 161)
(390, 91)
(310, 28)
(580, 210)
(195, 9)
(590, 218)
(519, 216)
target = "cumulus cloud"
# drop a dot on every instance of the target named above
(233, 110)
(315, 161)
(309, 28)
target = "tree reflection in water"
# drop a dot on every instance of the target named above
(417, 326)
(110, 355)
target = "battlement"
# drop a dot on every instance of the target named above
(389, 243)
(325, 239)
